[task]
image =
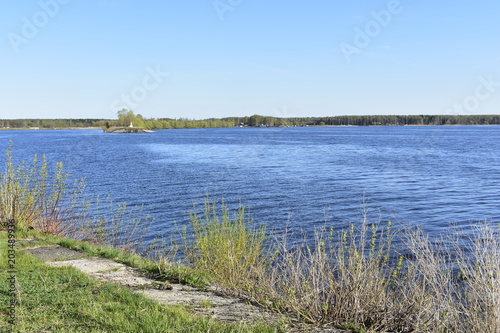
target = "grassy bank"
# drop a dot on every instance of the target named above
(53, 299)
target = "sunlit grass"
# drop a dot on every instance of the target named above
(63, 299)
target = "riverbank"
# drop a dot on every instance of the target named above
(59, 289)
(59, 284)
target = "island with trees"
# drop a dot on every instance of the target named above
(127, 117)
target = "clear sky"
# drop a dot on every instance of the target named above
(218, 58)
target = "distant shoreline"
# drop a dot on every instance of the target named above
(47, 129)
(100, 128)
(128, 117)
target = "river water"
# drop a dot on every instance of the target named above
(300, 177)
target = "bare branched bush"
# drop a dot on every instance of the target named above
(119, 226)
(428, 291)
(34, 198)
(342, 278)
(48, 201)
(479, 265)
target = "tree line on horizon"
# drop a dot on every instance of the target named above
(125, 117)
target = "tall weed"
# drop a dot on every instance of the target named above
(228, 247)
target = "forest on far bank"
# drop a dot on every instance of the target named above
(125, 117)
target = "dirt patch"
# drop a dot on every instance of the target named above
(107, 271)
(51, 253)
(211, 304)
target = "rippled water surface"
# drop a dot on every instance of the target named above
(428, 176)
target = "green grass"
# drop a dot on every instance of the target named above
(161, 269)
(65, 300)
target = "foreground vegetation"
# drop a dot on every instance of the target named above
(65, 300)
(126, 117)
(356, 278)
(45, 205)
(352, 278)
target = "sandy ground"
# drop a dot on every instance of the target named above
(201, 302)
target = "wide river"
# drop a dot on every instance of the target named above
(303, 177)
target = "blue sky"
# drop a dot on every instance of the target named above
(219, 58)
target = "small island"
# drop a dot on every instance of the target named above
(127, 130)
(125, 116)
